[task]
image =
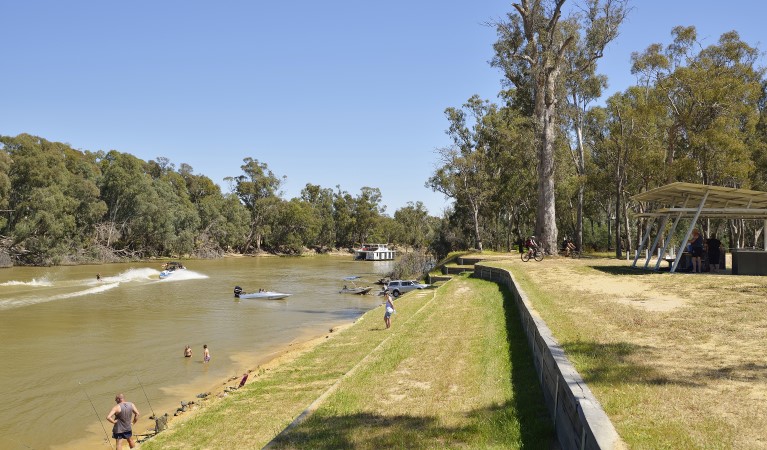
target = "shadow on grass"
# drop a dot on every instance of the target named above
(625, 270)
(374, 431)
(612, 364)
(741, 372)
(536, 428)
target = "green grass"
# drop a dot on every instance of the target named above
(454, 371)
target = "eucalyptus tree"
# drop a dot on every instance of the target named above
(531, 50)
(465, 173)
(131, 200)
(294, 226)
(343, 204)
(366, 211)
(258, 189)
(511, 207)
(53, 198)
(582, 87)
(413, 220)
(321, 200)
(712, 97)
(5, 185)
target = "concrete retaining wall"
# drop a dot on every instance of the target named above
(578, 418)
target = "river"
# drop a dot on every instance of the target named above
(71, 342)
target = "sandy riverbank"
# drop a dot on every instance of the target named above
(263, 365)
(257, 366)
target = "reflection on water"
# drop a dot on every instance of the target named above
(68, 336)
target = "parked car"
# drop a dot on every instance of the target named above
(399, 287)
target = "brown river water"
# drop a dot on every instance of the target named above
(71, 342)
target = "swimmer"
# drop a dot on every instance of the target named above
(188, 352)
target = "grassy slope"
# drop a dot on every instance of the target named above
(692, 376)
(454, 371)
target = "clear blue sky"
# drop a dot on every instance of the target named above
(348, 93)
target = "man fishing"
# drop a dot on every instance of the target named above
(123, 416)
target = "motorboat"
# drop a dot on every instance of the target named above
(266, 295)
(374, 252)
(354, 289)
(169, 268)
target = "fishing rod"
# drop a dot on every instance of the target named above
(146, 396)
(97, 414)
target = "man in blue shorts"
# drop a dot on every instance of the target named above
(123, 416)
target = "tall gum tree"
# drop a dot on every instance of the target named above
(531, 50)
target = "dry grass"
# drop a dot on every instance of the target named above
(677, 360)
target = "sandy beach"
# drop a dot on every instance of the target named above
(264, 363)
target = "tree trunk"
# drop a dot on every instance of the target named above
(618, 211)
(545, 110)
(581, 168)
(477, 236)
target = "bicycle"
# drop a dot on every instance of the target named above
(537, 255)
(573, 254)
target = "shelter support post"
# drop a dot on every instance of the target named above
(689, 232)
(661, 227)
(645, 238)
(668, 241)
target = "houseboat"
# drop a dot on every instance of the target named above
(374, 252)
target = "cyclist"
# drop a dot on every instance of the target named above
(568, 246)
(531, 245)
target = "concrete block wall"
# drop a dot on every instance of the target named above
(579, 419)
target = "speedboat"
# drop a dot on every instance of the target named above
(169, 268)
(266, 295)
(354, 289)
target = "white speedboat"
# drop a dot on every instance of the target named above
(169, 268)
(266, 295)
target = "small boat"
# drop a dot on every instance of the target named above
(169, 267)
(354, 289)
(266, 295)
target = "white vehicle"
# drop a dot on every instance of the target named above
(399, 287)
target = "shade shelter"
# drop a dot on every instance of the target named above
(694, 201)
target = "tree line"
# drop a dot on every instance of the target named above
(62, 205)
(548, 160)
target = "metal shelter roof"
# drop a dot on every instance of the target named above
(693, 201)
(717, 201)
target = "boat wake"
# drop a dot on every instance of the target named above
(26, 293)
(19, 302)
(183, 274)
(34, 282)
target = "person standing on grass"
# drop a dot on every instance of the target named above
(205, 353)
(696, 246)
(714, 253)
(123, 416)
(389, 309)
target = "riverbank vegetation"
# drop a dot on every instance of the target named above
(454, 371)
(696, 114)
(61, 205)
